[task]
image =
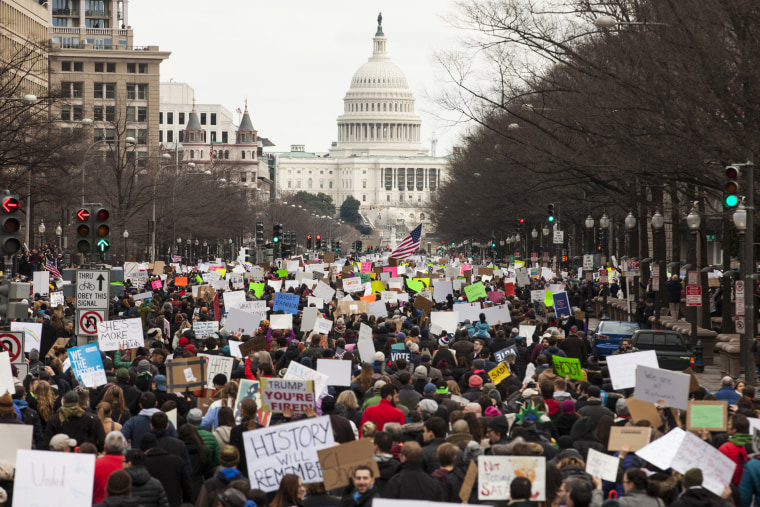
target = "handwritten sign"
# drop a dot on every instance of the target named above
(247, 389)
(338, 463)
(637, 437)
(503, 353)
(205, 328)
(88, 365)
(495, 474)
(280, 395)
(113, 334)
(602, 465)
(352, 284)
(568, 367)
(475, 291)
(215, 365)
(623, 367)
(499, 374)
(286, 302)
(57, 478)
(289, 448)
(711, 415)
(654, 384)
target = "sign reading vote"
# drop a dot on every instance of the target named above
(286, 302)
(568, 367)
(503, 353)
(289, 448)
(113, 334)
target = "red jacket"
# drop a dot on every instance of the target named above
(104, 466)
(382, 413)
(737, 454)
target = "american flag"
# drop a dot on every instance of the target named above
(238, 111)
(176, 258)
(410, 244)
(49, 266)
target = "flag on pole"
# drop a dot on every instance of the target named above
(176, 258)
(410, 244)
(238, 111)
(49, 266)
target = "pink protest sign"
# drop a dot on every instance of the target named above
(465, 267)
(157, 284)
(367, 267)
(393, 270)
(495, 296)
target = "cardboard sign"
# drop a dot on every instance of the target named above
(286, 302)
(53, 478)
(654, 384)
(127, 333)
(643, 411)
(602, 465)
(338, 371)
(495, 474)
(469, 482)
(499, 374)
(185, 374)
(352, 307)
(287, 448)
(87, 365)
(338, 463)
(623, 367)
(711, 415)
(568, 367)
(422, 303)
(637, 437)
(60, 343)
(215, 365)
(280, 395)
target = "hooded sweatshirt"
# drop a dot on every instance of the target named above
(137, 426)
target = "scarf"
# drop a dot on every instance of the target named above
(740, 439)
(65, 413)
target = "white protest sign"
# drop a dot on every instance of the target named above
(366, 351)
(388, 296)
(324, 291)
(318, 303)
(113, 334)
(623, 367)
(378, 309)
(281, 395)
(297, 371)
(495, 474)
(41, 282)
(6, 375)
(537, 296)
(53, 478)
(233, 299)
(309, 317)
(468, 311)
(353, 284)
(286, 448)
(235, 348)
(527, 331)
(654, 384)
(56, 299)
(241, 323)
(32, 334)
(365, 332)
(445, 320)
(215, 365)
(12, 438)
(497, 314)
(338, 371)
(281, 321)
(322, 326)
(602, 465)
(205, 328)
(441, 289)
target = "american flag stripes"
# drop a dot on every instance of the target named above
(410, 244)
(176, 258)
(49, 266)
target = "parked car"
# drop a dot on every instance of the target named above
(609, 334)
(670, 347)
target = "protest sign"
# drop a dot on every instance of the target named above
(249, 389)
(366, 351)
(352, 307)
(338, 371)
(324, 291)
(53, 478)
(499, 374)
(495, 474)
(710, 415)
(280, 395)
(654, 384)
(495, 296)
(448, 321)
(338, 463)
(643, 411)
(623, 367)
(636, 437)
(526, 331)
(233, 299)
(205, 328)
(14, 437)
(441, 289)
(561, 303)
(365, 332)
(422, 303)
(6, 374)
(568, 367)
(503, 353)
(318, 303)
(496, 314)
(322, 326)
(469, 482)
(185, 374)
(289, 448)
(297, 371)
(281, 321)
(88, 365)
(475, 291)
(56, 299)
(127, 333)
(400, 354)
(353, 284)
(468, 311)
(308, 318)
(286, 302)
(32, 334)
(602, 465)
(239, 322)
(235, 348)
(215, 365)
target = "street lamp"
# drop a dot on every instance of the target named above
(658, 225)
(589, 223)
(58, 233)
(41, 229)
(630, 225)
(740, 222)
(128, 140)
(126, 236)
(693, 220)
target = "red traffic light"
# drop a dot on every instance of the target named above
(83, 214)
(319, 237)
(10, 204)
(732, 172)
(522, 220)
(103, 214)
(308, 237)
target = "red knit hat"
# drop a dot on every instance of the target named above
(183, 342)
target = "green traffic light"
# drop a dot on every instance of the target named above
(276, 239)
(731, 201)
(551, 218)
(103, 245)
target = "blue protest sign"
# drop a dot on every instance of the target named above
(503, 353)
(561, 304)
(398, 346)
(286, 302)
(88, 365)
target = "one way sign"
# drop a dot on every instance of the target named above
(92, 289)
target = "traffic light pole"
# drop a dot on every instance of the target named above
(748, 268)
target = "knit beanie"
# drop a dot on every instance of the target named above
(692, 477)
(119, 483)
(229, 457)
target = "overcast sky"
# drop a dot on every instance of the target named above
(293, 59)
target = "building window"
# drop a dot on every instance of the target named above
(226, 154)
(78, 66)
(110, 67)
(160, 117)
(364, 183)
(65, 66)
(308, 183)
(139, 91)
(105, 90)
(242, 155)
(143, 68)
(298, 184)
(181, 119)
(400, 178)
(419, 198)
(289, 183)
(225, 137)
(169, 136)
(330, 184)
(142, 113)
(364, 198)
(203, 118)
(132, 68)
(432, 180)
(192, 154)
(160, 136)
(213, 136)
(131, 113)
(99, 66)
(388, 197)
(131, 92)
(142, 136)
(169, 118)
(213, 118)
(65, 112)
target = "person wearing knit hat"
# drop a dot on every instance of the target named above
(119, 484)
(428, 406)
(190, 349)
(430, 390)
(229, 456)
(492, 412)
(498, 430)
(420, 372)
(7, 410)
(475, 381)
(444, 341)
(567, 407)
(183, 342)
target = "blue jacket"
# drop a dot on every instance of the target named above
(139, 425)
(750, 485)
(727, 393)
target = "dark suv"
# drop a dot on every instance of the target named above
(670, 347)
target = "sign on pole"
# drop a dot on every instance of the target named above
(693, 295)
(88, 320)
(92, 289)
(739, 293)
(559, 237)
(13, 344)
(588, 262)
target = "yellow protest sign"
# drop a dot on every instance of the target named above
(500, 373)
(378, 286)
(548, 299)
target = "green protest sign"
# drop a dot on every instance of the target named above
(475, 291)
(415, 286)
(282, 273)
(257, 288)
(711, 415)
(200, 280)
(366, 277)
(568, 367)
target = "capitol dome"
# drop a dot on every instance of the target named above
(378, 109)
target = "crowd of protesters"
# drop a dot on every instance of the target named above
(428, 417)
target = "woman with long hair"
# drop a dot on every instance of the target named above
(364, 380)
(353, 412)
(45, 398)
(200, 457)
(225, 397)
(291, 492)
(104, 414)
(114, 395)
(248, 411)
(226, 422)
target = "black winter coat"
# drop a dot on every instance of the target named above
(172, 472)
(200, 471)
(148, 489)
(413, 483)
(87, 428)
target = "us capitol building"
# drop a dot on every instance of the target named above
(378, 158)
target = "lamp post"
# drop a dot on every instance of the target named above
(658, 225)
(41, 229)
(604, 223)
(179, 244)
(128, 140)
(630, 225)
(126, 237)
(740, 222)
(589, 223)
(58, 234)
(693, 220)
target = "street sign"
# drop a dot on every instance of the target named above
(739, 324)
(739, 295)
(559, 237)
(691, 278)
(13, 343)
(693, 295)
(655, 278)
(92, 289)
(632, 266)
(545, 256)
(88, 320)
(588, 262)
(534, 257)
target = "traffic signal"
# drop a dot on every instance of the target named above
(285, 245)
(731, 192)
(276, 233)
(493, 242)
(259, 233)
(10, 239)
(319, 242)
(10, 309)
(250, 256)
(337, 246)
(520, 222)
(308, 242)
(550, 212)
(359, 246)
(102, 230)
(84, 222)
